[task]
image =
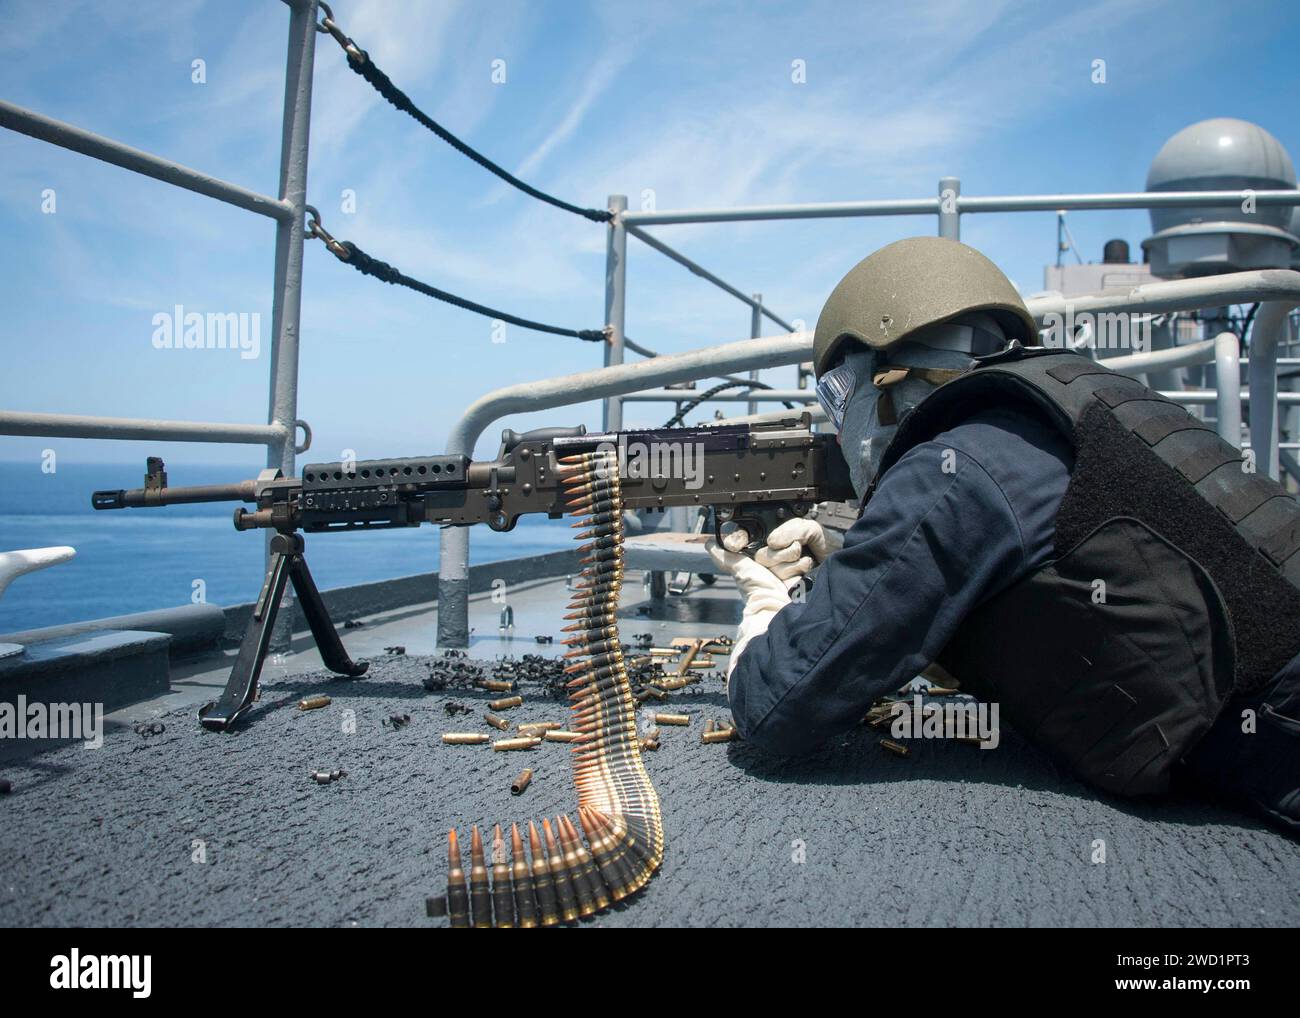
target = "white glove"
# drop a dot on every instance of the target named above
(794, 548)
(764, 580)
(763, 591)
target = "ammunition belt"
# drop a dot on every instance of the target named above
(618, 810)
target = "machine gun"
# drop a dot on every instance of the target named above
(754, 477)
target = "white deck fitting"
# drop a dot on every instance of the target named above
(14, 564)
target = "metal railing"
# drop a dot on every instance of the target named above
(947, 206)
(278, 434)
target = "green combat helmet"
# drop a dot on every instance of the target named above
(911, 284)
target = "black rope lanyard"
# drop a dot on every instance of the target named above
(347, 252)
(369, 266)
(359, 60)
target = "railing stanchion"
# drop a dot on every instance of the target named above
(286, 306)
(615, 302)
(949, 210)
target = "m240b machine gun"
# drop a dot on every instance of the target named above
(754, 477)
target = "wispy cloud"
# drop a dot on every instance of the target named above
(594, 87)
(686, 104)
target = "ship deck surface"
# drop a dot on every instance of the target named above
(951, 835)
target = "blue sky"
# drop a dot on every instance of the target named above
(692, 101)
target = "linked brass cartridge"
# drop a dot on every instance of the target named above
(521, 877)
(457, 889)
(561, 875)
(548, 903)
(503, 901)
(480, 891)
(559, 878)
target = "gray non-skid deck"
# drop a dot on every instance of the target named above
(851, 835)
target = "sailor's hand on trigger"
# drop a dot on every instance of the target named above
(728, 552)
(757, 584)
(736, 540)
(794, 548)
(763, 591)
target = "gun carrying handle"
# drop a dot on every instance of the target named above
(511, 438)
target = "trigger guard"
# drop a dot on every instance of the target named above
(752, 519)
(752, 525)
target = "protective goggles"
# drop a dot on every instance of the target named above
(835, 388)
(833, 391)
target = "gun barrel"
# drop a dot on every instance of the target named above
(133, 498)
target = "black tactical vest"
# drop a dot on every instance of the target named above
(1175, 581)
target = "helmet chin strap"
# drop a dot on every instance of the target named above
(889, 375)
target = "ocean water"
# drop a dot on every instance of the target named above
(132, 560)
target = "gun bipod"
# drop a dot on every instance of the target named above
(286, 564)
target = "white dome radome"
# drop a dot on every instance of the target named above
(1223, 154)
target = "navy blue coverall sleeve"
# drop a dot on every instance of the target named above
(932, 545)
